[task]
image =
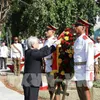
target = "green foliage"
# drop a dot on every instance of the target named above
(3, 31)
(96, 84)
(32, 16)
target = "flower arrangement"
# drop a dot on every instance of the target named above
(65, 53)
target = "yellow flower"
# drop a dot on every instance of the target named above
(62, 73)
(66, 38)
(68, 51)
(70, 55)
(72, 51)
(67, 33)
(51, 73)
(59, 61)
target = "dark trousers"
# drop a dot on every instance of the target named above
(31, 93)
(3, 61)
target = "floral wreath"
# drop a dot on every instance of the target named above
(65, 59)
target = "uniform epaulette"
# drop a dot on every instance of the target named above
(85, 37)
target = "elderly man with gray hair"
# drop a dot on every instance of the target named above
(32, 71)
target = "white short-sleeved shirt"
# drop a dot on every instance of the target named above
(4, 51)
(84, 52)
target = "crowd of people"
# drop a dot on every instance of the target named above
(86, 68)
(84, 51)
(15, 52)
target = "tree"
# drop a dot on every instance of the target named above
(32, 16)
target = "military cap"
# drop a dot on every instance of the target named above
(81, 22)
(78, 24)
(50, 27)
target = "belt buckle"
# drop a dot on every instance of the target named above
(48, 58)
(80, 63)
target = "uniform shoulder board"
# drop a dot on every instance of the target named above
(85, 37)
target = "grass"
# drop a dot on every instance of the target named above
(96, 84)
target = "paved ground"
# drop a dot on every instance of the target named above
(8, 94)
(15, 81)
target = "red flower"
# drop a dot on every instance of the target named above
(65, 61)
(71, 38)
(72, 43)
(70, 34)
(63, 49)
(67, 29)
(67, 43)
(62, 41)
(67, 69)
(61, 35)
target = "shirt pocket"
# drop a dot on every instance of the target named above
(78, 48)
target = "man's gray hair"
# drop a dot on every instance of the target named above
(31, 40)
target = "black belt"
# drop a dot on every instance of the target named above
(49, 58)
(80, 63)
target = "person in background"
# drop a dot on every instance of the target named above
(83, 62)
(16, 55)
(50, 34)
(32, 71)
(23, 44)
(4, 52)
(97, 60)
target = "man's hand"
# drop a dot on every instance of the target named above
(58, 42)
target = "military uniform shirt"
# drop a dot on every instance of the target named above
(15, 53)
(48, 59)
(84, 52)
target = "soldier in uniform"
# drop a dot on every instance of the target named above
(16, 55)
(83, 62)
(50, 32)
